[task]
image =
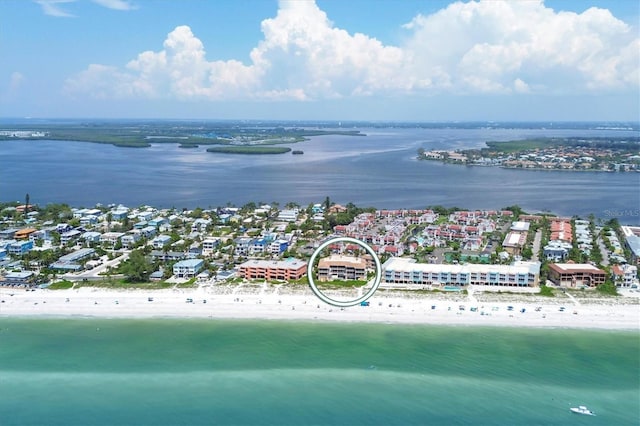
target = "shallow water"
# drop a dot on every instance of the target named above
(167, 372)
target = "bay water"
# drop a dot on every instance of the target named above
(83, 371)
(377, 170)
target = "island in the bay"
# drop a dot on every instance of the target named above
(228, 137)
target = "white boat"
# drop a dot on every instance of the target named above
(582, 410)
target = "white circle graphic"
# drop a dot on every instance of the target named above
(339, 303)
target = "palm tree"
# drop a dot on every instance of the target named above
(109, 220)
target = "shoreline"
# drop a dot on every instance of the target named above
(225, 303)
(533, 169)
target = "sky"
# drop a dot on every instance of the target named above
(379, 60)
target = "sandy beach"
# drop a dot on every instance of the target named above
(385, 307)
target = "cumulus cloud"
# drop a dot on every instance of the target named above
(493, 43)
(474, 47)
(52, 8)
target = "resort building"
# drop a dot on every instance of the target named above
(625, 275)
(210, 245)
(17, 279)
(576, 275)
(69, 262)
(408, 273)
(278, 247)
(188, 268)
(18, 248)
(119, 213)
(130, 239)
(561, 230)
(288, 270)
(111, 238)
(160, 241)
(242, 246)
(557, 250)
(70, 236)
(339, 267)
(632, 241)
(520, 226)
(514, 242)
(91, 237)
(8, 234)
(288, 215)
(24, 233)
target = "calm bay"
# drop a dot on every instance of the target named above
(377, 170)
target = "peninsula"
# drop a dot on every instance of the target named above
(576, 154)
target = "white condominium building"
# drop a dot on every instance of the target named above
(398, 270)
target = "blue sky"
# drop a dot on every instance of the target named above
(394, 60)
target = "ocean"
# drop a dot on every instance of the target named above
(203, 372)
(378, 170)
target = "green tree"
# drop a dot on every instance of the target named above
(516, 209)
(327, 203)
(196, 213)
(137, 268)
(248, 208)
(608, 288)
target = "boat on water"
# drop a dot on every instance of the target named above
(582, 410)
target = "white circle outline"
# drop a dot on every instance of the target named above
(347, 303)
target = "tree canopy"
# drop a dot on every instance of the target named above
(137, 268)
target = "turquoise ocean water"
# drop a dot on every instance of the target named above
(206, 372)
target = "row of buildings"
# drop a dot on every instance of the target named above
(407, 273)
(388, 232)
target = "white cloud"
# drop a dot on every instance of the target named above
(116, 4)
(52, 8)
(498, 42)
(181, 70)
(476, 47)
(12, 90)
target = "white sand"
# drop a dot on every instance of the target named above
(221, 302)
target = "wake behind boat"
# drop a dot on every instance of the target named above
(582, 410)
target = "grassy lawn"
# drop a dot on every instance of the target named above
(61, 285)
(120, 284)
(340, 284)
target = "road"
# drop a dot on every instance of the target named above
(536, 245)
(603, 250)
(95, 273)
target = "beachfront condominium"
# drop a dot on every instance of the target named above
(188, 268)
(287, 270)
(339, 267)
(576, 275)
(405, 272)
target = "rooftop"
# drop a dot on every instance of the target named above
(280, 264)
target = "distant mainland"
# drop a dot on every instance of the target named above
(229, 138)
